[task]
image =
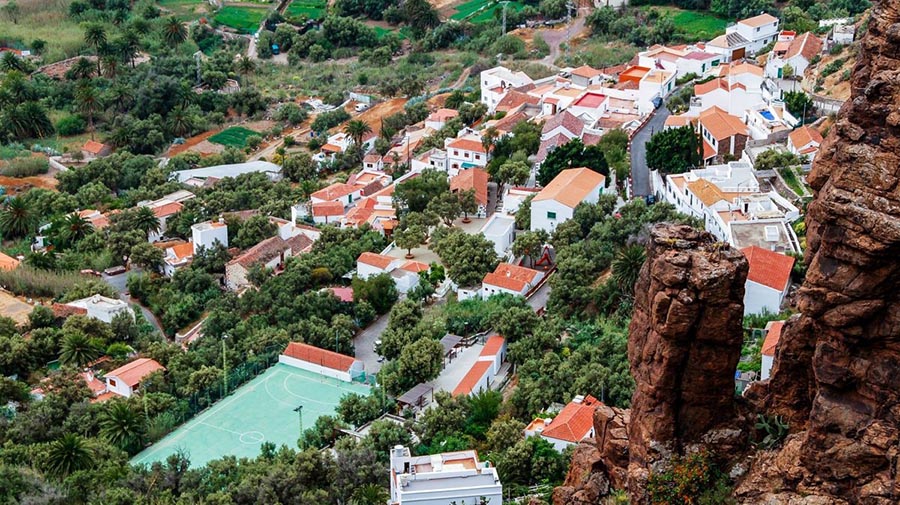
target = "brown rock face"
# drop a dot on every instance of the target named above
(684, 344)
(837, 372)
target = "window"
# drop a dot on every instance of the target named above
(551, 215)
(455, 152)
(112, 383)
(477, 156)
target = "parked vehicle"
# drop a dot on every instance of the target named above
(115, 270)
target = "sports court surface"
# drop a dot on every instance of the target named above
(259, 411)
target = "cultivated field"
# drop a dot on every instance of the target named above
(242, 18)
(185, 10)
(474, 8)
(694, 24)
(312, 9)
(236, 136)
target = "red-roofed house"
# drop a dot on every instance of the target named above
(805, 141)
(574, 423)
(163, 209)
(478, 379)
(346, 194)
(322, 361)
(773, 335)
(494, 352)
(510, 279)
(327, 212)
(8, 262)
(798, 54)
(93, 149)
(464, 153)
(557, 201)
(472, 179)
(722, 134)
(437, 119)
(125, 380)
(369, 264)
(270, 253)
(767, 281)
(177, 256)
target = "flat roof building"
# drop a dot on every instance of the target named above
(449, 477)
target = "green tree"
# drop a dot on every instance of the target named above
(88, 102)
(467, 257)
(357, 129)
(95, 36)
(75, 228)
(146, 256)
(512, 172)
(79, 349)
(370, 494)
(173, 31)
(17, 219)
(378, 290)
(253, 231)
(675, 150)
(627, 266)
(145, 220)
(415, 194)
(799, 104)
(409, 238)
(504, 433)
(446, 206)
(523, 214)
(122, 426)
(245, 66)
(468, 203)
(70, 453)
(572, 154)
(421, 361)
(529, 244)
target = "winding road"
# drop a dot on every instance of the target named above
(640, 172)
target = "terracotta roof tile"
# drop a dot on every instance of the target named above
(167, 209)
(8, 262)
(317, 356)
(514, 98)
(493, 345)
(94, 147)
(567, 120)
(467, 145)
(132, 373)
(182, 251)
(472, 379)
(512, 277)
(261, 252)
(328, 209)
(573, 422)
(760, 20)
(473, 178)
(773, 335)
(570, 187)
(333, 192)
(720, 124)
(586, 71)
(805, 135)
(375, 260)
(768, 268)
(415, 266)
(806, 45)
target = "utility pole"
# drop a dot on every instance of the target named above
(569, 7)
(299, 411)
(504, 17)
(224, 368)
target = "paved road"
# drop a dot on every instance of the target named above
(554, 37)
(539, 299)
(118, 282)
(640, 173)
(364, 343)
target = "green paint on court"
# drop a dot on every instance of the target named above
(261, 410)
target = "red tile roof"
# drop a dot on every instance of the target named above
(472, 380)
(317, 356)
(333, 192)
(442, 115)
(328, 209)
(573, 422)
(514, 98)
(181, 251)
(760, 20)
(261, 252)
(467, 145)
(804, 136)
(375, 260)
(415, 266)
(768, 268)
(94, 147)
(64, 310)
(473, 178)
(586, 71)
(8, 262)
(132, 373)
(806, 45)
(773, 335)
(299, 244)
(567, 120)
(571, 186)
(167, 209)
(512, 277)
(493, 346)
(720, 124)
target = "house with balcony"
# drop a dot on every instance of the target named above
(497, 81)
(449, 477)
(759, 31)
(464, 153)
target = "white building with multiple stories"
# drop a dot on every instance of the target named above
(442, 479)
(495, 82)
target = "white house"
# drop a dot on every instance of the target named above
(805, 141)
(437, 119)
(126, 380)
(433, 158)
(797, 53)
(773, 335)
(270, 253)
(163, 209)
(767, 281)
(442, 479)
(510, 279)
(494, 352)
(464, 153)
(271, 170)
(369, 264)
(322, 361)
(697, 62)
(207, 233)
(476, 380)
(556, 203)
(501, 230)
(730, 46)
(495, 82)
(574, 423)
(759, 30)
(177, 256)
(514, 196)
(101, 307)
(406, 278)
(341, 192)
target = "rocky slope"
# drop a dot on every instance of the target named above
(836, 377)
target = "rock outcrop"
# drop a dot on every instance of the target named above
(837, 370)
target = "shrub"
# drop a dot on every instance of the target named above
(774, 430)
(71, 125)
(691, 480)
(26, 167)
(28, 281)
(253, 141)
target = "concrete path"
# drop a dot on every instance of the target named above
(118, 282)
(640, 173)
(364, 344)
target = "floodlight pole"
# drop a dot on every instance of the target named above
(224, 368)
(299, 411)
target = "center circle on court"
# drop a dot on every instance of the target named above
(252, 437)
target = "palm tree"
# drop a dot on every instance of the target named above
(245, 66)
(487, 139)
(88, 101)
(17, 219)
(122, 426)
(81, 69)
(120, 95)
(626, 267)
(78, 349)
(370, 494)
(180, 122)
(357, 129)
(11, 62)
(95, 35)
(145, 220)
(130, 44)
(174, 32)
(75, 228)
(68, 454)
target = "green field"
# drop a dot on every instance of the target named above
(236, 136)
(380, 32)
(312, 9)
(469, 8)
(695, 24)
(242, 19)
(185, 10)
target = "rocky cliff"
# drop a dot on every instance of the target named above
(836, 377)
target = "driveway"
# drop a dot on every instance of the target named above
(119, 283)
(640, 173)
(364, 344)
(538, 299)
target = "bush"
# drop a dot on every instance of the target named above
(28, 281)
(26, 167)
(71, 125)
(691, 480)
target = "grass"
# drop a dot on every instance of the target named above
(381, 32)
(696, 25)
(791, 179)
(242, 19)
(312, 9)
(185, 10)
(47, 20)
(236, 136)
(469, 8)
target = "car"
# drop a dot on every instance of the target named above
(657, 102)
(115, 270)
(88, 271)
(361, 107)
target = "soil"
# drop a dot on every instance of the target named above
(15, 185)
(379, 111)
(14, 308)
(191, 143)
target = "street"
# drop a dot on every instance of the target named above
(640, 173)
(364, 344)
(119, 283)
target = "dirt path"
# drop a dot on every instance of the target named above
(554, 37)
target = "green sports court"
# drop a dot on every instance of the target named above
(261, 410)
